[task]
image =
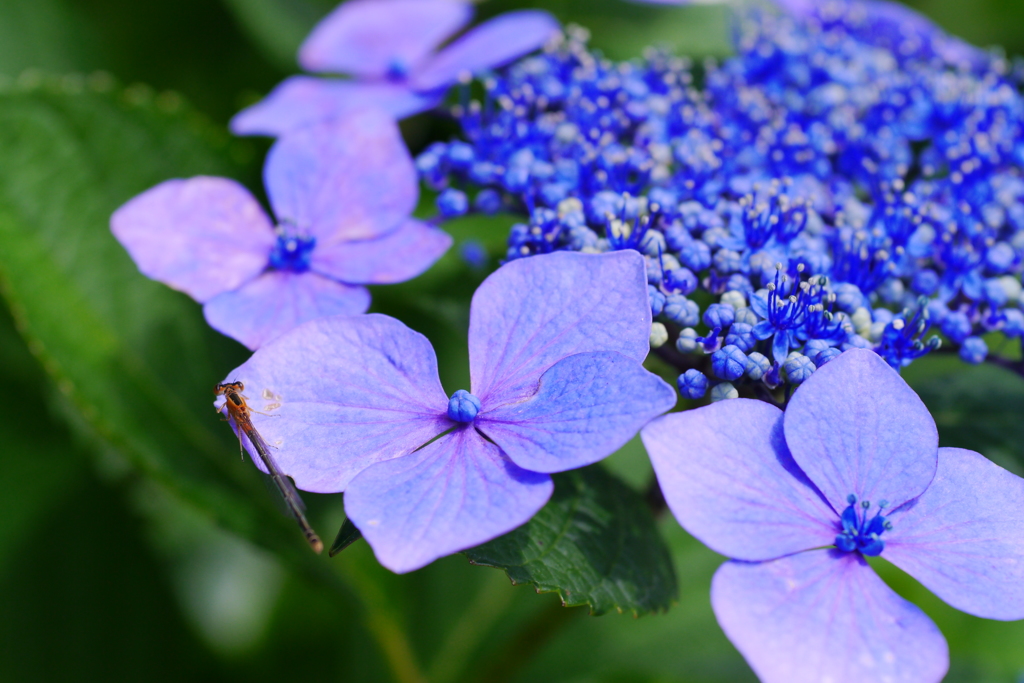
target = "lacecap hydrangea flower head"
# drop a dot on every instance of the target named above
(798, 499)
(555, 347)
(389, 48)
(849, 178)
(342, 193)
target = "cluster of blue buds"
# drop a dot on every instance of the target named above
(846, 180)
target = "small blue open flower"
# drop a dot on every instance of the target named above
(343, 193)
(798, 499)
(557, 383)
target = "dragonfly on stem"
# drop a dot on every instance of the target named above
(239, 411)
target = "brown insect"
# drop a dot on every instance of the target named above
(239, 412)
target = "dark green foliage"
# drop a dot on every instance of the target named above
(594, 543)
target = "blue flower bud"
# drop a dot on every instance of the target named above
(687, 342)
(1013, 323)
(849, 297)
(460, 155)
(487, 201)
(463, 406)
(825, 356)
(516, 179)
(719, 315)
(695, 255)
(757, 365)
(798, 367)
(855, 341)
(993, 292)
(657, 300)
(973, 350)
(1000, 257)
(653, 244)
(452, 203)
(474, 253)
(723, 391)
(739, 283)
(815, 346)
(937, 311)
(727, 261)
(729, 362)
(552, 193)
(681, 280)
(926, 281)
(659, 335)
(681, 310)
(676, 237)
(483, 173)
(891, 291)
(741, 335)
(956, 326)
(692, 384)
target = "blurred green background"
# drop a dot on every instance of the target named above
(135, 545)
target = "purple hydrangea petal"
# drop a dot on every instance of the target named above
(729, 479)
(381, 38)
(396, 257)
(825, 616)
(491, 44)
(343, 393)
(301, 101)
(453, 494)
(586, 408)
(203, 236)
(535, 311)
(277, 301)
(855, 427)
(348, 179)
(963, 538)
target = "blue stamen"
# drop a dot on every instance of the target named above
(291, 252)
(859, 533)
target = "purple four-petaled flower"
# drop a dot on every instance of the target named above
(555, 348)
(388, 47)
(342, 192)
(798, 499)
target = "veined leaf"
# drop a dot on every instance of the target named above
(595, 543)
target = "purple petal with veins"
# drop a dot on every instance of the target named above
(276, 301)
(855, 427)
(344, 393)
(533, 312)
(730, 480)
(301, 101)
(489, 45)
(202, 236)
(963, 538)
(825, 616)
(398, 256)
(343, 180)
(586, 407)
(453, 494)
(378, 39)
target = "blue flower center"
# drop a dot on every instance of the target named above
(463, 406)
(398, 69)
(859, 532)
(292, 253)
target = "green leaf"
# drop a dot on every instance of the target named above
(43, 34)
(347, 535)
(279, 26)
(595, 543)
(134, 358)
